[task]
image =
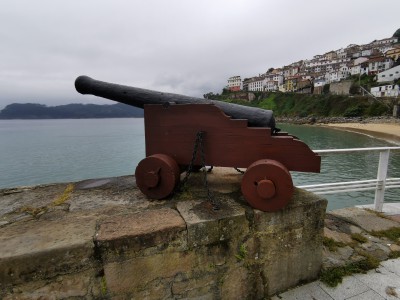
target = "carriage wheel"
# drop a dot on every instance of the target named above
(157, 175)
(267, 185)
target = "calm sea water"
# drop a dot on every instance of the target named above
(45, 151)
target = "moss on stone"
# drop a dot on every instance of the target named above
(391, 233)
(359, 238)
(103, 286)
(242, 253)
(333, 276)
(394, 254)
(64, 196)
(331, 244)
(33, 211)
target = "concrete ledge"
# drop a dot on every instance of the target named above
(138, 231)
(39, 249)
(103, 239)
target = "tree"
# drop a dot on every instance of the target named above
(211, 96)
(397, 33)
(325, 89)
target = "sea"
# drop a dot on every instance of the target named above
(49, 151)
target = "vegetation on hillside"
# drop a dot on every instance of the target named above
(306, 105)
(397, 33)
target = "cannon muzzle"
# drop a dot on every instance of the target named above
(138, 97)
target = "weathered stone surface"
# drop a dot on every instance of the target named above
(206, 226)
(378, 250)
(340, 225)
(12, 200)
(239, 281)
(395, 218)
(105, 193)
(192, 288)
(147, 249)
(291, 241)
(365, 219)
(41, 249)
(77, 285)
(394, 247)
(128, 276)
(220, 180)
(340, 257)
(338, 236)
(303, 207)
(134, 232)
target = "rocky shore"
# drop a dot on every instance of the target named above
(336, 120)
(386, 128)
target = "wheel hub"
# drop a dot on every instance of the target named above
(265, 189)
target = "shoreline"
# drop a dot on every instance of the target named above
(385, 128)
(386, 131)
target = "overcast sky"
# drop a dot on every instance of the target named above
(180, 46)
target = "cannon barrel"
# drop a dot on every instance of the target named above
(138, 97)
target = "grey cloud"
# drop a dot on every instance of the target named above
(188, 47)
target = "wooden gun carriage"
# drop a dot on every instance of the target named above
(172, 126)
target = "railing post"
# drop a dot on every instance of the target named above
(381, 179)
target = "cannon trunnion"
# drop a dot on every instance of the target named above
(231, 136)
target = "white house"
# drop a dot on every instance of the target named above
(344, 71)
(390, 40)
(366, 52)
(256, 84)
(385, 91)
(270, 85)
(234, 83)
(389, 75)
(378, 64)
(359, 67)
(319, 82)
(332, 76)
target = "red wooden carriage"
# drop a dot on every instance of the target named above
(170, 137)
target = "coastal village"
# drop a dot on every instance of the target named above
(333, 71)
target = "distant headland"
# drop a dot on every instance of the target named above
(69, 111)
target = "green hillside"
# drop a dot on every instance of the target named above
(304, 105)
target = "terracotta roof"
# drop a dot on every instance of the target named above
(376, 59)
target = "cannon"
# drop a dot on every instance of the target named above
(231, 135)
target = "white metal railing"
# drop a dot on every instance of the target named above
(380, 184)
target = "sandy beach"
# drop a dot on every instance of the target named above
(387, 131)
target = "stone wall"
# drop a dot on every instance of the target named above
(179, 248)
(340, 88)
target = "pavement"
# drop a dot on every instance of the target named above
(381, 283)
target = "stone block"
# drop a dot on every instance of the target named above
(131, 233)
(242, 283)
(338, 236)
(133, 275)
(290, 241)
(365, 219)
(206, 226)
(193, 287)
(77, 285)
(43, 249)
